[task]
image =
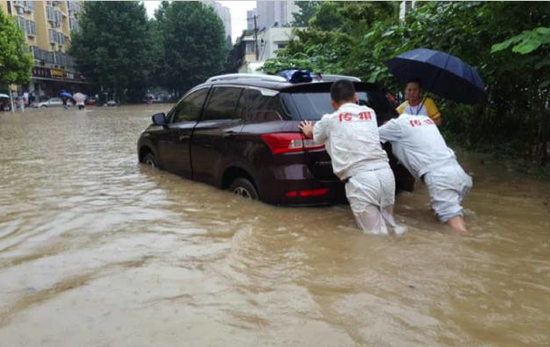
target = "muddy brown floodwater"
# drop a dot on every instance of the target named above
(97, 250)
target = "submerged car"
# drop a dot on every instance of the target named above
(240, 132)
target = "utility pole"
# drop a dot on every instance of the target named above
(256, 38)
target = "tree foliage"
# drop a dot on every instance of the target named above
(506, 41)
(115, 47)
(15, 59)
(193, 44)
(306, 12)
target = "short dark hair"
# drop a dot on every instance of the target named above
(415, 80)
(342, 90)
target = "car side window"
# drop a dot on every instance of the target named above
(223, 103)
(262, 108)
(190, 108)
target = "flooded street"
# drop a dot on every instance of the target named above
(97, 250)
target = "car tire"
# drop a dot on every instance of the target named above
(244, 188)
(43, 106)
(150, 160)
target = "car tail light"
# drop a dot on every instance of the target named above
(306, 193)
(289, 142)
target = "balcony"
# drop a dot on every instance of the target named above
(55, 58)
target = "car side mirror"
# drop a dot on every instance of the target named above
(160, 119)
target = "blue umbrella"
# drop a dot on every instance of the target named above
(65, 94)
(440, 73)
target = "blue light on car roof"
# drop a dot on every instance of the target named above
(297, 76)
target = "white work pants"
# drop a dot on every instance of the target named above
(371, 195)
(448, 186)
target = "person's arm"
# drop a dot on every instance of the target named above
(318, 131)
(390, 131)
(433, 111)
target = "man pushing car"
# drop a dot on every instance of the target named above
(350, 135)
(419, 146)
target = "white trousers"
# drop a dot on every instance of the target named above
(448, 186)
(371, 195)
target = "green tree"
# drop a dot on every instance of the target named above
(15, 59)
(115, 47)
(194, 44)
(307, 11)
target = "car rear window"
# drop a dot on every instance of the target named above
(312, 105)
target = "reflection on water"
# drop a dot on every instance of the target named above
(96, 250)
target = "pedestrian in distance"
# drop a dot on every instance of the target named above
(419, 146)
(21, 101)
(65, 102)
(350, 136)
(417, 104)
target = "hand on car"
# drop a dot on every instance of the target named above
(307, 128)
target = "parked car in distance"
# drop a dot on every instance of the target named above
(240, 133)
(90, 101)
(52, 102)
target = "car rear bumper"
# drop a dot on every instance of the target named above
(294, 185)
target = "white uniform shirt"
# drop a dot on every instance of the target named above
(417, 143)
(351, 139)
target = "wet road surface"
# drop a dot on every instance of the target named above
(97, 250)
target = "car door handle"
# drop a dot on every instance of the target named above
(184, 137)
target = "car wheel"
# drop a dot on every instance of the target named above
(245, 188)
(150, 160)
(43, 106)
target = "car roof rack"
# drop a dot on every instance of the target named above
(321, 77)
(238, 76)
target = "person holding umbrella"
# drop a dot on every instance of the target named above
(417, 104)
(438, 73)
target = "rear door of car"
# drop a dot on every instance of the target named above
(174, 143)
(215, 136)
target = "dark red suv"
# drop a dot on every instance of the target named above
(240, 132)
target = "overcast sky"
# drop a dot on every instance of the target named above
(238, 13)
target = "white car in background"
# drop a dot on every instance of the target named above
(53, 102)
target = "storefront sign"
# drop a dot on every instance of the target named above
(41, 72)
(58, 73)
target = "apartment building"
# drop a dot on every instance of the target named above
(47, 26)
(275, 13)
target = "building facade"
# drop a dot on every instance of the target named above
(273, 40)
(275, 13)
(47, 26)
(225, 15)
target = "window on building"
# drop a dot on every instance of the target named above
(223, 103)
(250, 47)
(21, 22)
(50, 16)
(281, 45)
(30, 27)
(29, 6)
(73, 24)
